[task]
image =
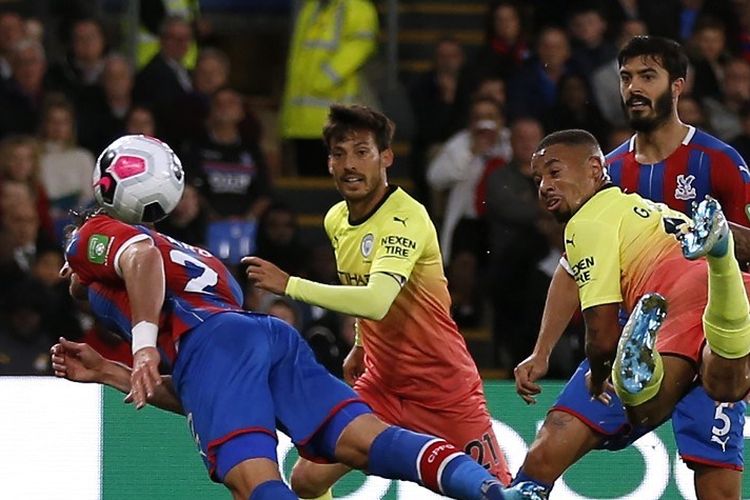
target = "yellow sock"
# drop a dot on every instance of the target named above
(648, 392)
(726, 320)
(328, 495)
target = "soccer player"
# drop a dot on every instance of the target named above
(238, 375)
(675, 164)
(409, 362)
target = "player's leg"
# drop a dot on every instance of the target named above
(221, 376)
(465, 423)
(575, 425)
(649, 384)
(710, 440)
(257, 479)
(313, 481)
(393, 452)
(562, 440)
(726, 319)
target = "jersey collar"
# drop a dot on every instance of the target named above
(391, 189)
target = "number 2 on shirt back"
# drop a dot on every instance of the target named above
(200, 283)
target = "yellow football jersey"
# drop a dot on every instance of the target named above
(416, 349)
(615, 241)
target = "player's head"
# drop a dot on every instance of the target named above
(358, 139)
(652, 75)
(568, 168)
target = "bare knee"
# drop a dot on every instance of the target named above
(560, 442)
(714, 483)
(725, 380)
(725, 390)
(306, 482)
(353, 447)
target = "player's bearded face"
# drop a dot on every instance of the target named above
(647, 96)
(645, 115)
(357, 166)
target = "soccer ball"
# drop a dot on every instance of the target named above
(138, 179)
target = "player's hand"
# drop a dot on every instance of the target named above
(600, 392)
(145, 375)
(76, 361)
(265, 275)
(354, 364)
(527, 373)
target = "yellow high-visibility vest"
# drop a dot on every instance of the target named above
(329, 46)
(148, 43)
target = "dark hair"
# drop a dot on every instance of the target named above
(344, 119)
(572, 137)
(667, 52)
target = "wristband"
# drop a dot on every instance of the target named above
(144, 335)
(357, 336)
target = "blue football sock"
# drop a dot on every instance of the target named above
(272, 490)
(522, 477)
(432, 462)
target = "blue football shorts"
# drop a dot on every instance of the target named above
(241, 376)
(706, 432)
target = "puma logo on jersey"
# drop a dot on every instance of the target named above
(685, 189)
(399, 219)
(723, 444)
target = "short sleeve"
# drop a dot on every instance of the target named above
(401, 243)
(94, 251)
(592, 250)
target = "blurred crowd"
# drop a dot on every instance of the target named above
(472, 122)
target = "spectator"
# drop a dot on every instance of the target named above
(12, 30)
(533, 90)
(742, 142)
(66, 168)
(332, 41)
(691, 112)
(61, 318)
(24, 339)
(21, 225)
(188, 220)
(230, 172)
(279, 240)
(439, 99)
(164, 80)
(79, 74)
(461, 168)
(517, 246)
(22, 98)
(140, 120)
(103, 119)
(722, 112)
(492, 87)
(576, 108)
(505, 49)
(710, 55)
(20, 158)
(606, 79)
(591, 49)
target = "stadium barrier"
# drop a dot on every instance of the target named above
(69, 441)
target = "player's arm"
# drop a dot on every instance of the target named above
(562, 302)
(79, 362)
(372, 301)
(602, 335)
(141, 267)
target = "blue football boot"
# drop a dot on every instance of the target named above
(634, 364)
(709, 232)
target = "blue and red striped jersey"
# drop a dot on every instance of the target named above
(701, 165)
(197, 284)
